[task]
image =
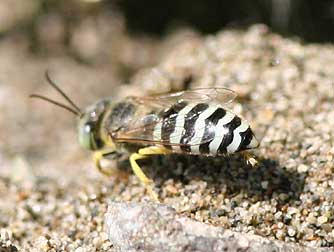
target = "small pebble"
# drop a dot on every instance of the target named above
(280, 225)
(291, 231)
(292, 210)
(311, 219)
(278, 215)
(80, 250)
(302, 168)
(264, 184)
(280, 234)
(327, 227)
(322, 219)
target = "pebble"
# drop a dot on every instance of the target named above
(81, 250)
(291, 231)
(292, 210)
(280, 225)
(321, 220)
(302, 168)
(327, 227)
(264, 184)
(278, 215)
(280, 234)
(311, 219)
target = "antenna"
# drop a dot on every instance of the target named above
(74, 109)
(55, 103)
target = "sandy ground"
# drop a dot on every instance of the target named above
(52, 198)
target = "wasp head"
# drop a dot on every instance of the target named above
(90, 126)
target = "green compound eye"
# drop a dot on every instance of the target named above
(90, 126)
(85, 136)
(88, 136)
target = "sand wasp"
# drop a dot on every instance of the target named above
(192, 122)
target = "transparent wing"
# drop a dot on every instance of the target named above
(161, 111)
(161, 128)
(218, 95)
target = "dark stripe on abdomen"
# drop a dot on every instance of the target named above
(189, 125)
(228, 137)
(246, 138)
(210, 128)
(169, 119)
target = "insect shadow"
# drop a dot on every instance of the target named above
(229, 175)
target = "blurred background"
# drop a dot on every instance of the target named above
(62, 25)
(310, 20)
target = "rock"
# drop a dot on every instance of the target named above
(155, 227)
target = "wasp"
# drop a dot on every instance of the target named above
(191, 122)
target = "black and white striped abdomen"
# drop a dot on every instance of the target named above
(202, 128)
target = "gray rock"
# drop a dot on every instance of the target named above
(148, 227)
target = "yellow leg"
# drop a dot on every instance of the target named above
(143, 153)
(250, 159)
(97, 157)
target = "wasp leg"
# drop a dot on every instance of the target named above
(99, 155)
(249, 159)
(143, 153)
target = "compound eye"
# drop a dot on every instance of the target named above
(86, 135)
(88, 127)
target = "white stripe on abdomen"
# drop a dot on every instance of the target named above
(234, 145)
(176, 136)
(220, 132)
(199, 128)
